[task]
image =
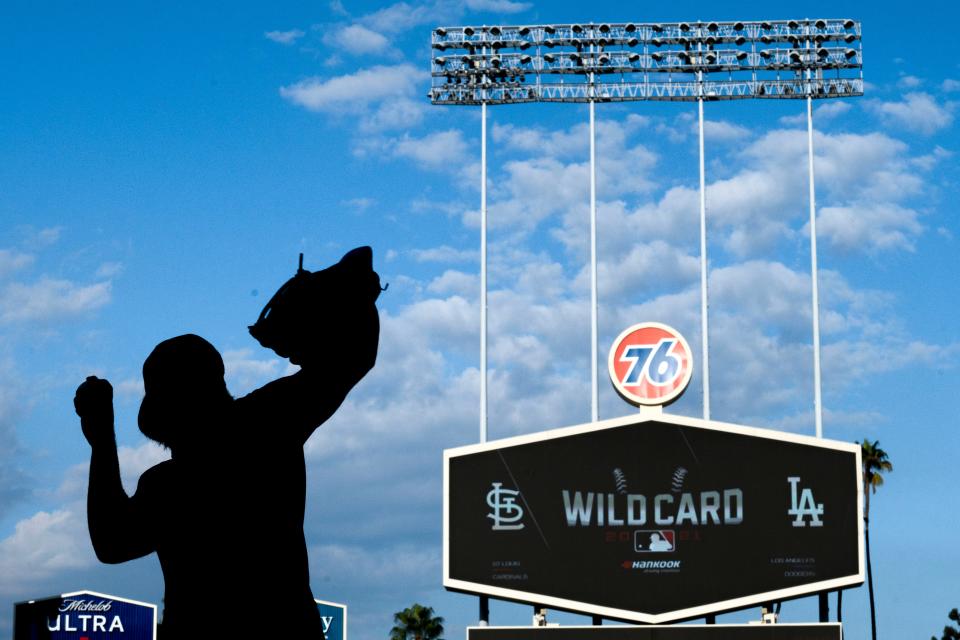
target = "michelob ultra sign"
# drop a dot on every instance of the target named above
(652, 518)
(84, 614)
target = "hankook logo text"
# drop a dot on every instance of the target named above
(655, 564)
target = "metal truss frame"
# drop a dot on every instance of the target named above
(682, 61)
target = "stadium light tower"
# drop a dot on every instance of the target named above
(677, 61)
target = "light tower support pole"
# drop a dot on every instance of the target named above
(814, 277)
(594, 377)
(704, 324)
(483, 273)
(484, 600)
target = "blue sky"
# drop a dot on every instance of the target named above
(162, 166)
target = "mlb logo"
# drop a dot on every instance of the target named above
(654, 541)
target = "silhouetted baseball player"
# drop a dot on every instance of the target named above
(225, 513)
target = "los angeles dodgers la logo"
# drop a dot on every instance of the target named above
(803, 505)
(506, 514)
(650, 364)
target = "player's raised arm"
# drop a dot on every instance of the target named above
(116, 528)
(301, 402)
(326, 322)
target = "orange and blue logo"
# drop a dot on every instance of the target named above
(650, 364)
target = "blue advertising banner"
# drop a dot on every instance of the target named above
(84, 615)
(334, 617)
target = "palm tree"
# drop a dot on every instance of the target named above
(875, 462)
(416, 623)
(951, 632)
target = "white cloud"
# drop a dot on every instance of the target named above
(411, 565)
(909, 82)
(930, 160)
(832, 110)
(441, 321)
(555, 178)
(824, 113)
(535, 189)
(723, 131)
(568, 143)
(49, 235)
(876, 227)
(498, 6)
(855, 360)
(761, 204)
(918, 112)
(373, 100)
(133, 462)
(834, 420)
(360, 204)
(354, 90)
(455, 283)
(109, 270)
(284, 37)
(396, 113)
(14, 481)
(950, 85)
(560, 143)
(848, 166)
(444, 253)
(11, 261)
(764, 293)
(50, 300)
(52, 542)
(130, 389)
(245, 372)
(41, 545)
(441, 150)
(357, 39)
(402, 16)
(647, 268)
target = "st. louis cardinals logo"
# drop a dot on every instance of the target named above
(506, 513)
(650, 364)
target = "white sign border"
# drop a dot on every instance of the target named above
(635, 616)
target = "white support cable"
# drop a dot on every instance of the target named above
(704, 324)
(483, 273)
(594, 376)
